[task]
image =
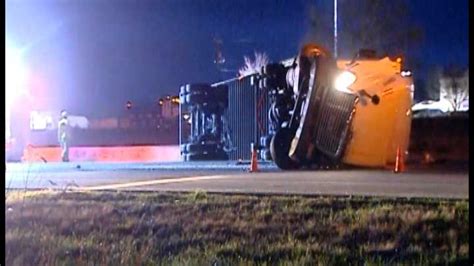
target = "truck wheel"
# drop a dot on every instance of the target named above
(203, 93)
(265, 141)
(222, 95)
(266, 155)
(215, 156)
(279, 148)
(222, 155)
(212, 107)
(201, 148)
(201, 99)
(223, 101)
(195, 94)
(183, 148)
(182, 90)
(198, 88)
(196, 99)
(182, 99)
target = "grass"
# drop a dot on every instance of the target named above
(199, 228)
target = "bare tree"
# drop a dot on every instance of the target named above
(455, 87)
(254, 66)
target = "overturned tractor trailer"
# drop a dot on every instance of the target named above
(309, 111)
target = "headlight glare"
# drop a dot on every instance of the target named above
(344, 80)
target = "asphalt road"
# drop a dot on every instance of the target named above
(447, 181)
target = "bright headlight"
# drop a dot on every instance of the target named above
(344, 80)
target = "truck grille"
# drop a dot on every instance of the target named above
(333, 122)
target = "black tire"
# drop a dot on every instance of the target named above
(321, 161)
(213, 107)
(206, 99)
(182, 99)
(201, 148)
(279, 148)
(273, 69)
(182, 90)
(196, 99)
(275, 76)
(265, 141)
(222, 91)
(197, 88)
(223, 99)
(197, 94)
(216, 156)
(222, 155)
(183, 148)
(266, 155)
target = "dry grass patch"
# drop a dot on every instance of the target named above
(126, 228)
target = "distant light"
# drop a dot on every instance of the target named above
(428, 158)
(399, 60)
(406, 73)
(160, 102)
(15, 72)
(15, 81)
(15, 75)
(186, 116)
(128, 105)
(175, 100)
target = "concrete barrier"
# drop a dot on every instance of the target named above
(105, 154)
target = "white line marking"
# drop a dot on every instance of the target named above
(154, 182)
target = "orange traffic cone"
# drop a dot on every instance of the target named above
(399, 162)
(253, 162)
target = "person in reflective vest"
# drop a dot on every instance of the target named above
(63, 136)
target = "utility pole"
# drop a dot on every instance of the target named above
(335, 28)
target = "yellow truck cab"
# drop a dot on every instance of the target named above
(378, 130)
(352, 112)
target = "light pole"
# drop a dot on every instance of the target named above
(335, 28)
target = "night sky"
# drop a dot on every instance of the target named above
(91, 56)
